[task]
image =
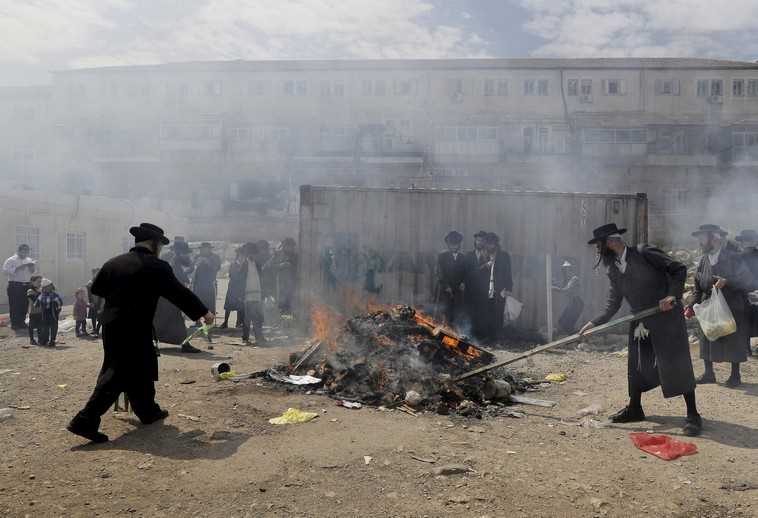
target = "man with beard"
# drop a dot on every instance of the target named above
(659, 352)
(496, 284)
(131, 284)
(475, 285)
(722, 267)
(451, 271)
(749, 240)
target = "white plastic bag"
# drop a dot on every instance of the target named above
(715, 317)
(512, 309)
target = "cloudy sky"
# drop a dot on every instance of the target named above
(40, 35)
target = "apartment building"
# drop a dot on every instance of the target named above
(231, 141)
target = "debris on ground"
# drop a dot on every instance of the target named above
(293, 416)
(662, 446)
(400, 359)
(451, 469)
(559, 377)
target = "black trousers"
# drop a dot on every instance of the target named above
(48, 332)
(110, 384)
(17, 303)
(253, 315)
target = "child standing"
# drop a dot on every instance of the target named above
(81, 303)
(50, 304)
(35, 315)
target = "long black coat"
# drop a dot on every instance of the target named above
(487, 313)
(750, 257)
(663, 358)
(131, 284)
(730, 266)
(451, 273)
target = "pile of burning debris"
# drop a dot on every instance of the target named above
(397, 357)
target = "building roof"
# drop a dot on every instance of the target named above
(431, 64)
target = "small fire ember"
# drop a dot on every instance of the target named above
(396, 356)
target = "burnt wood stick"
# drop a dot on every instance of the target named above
(563, 341)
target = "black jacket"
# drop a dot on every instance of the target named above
(451, 271)
(131, 284)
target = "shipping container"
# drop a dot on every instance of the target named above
(361, 245)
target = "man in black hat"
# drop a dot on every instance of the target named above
(131, 284)
(207, 266)
(475, 285)
(722, 267)
(748, 239)
(451, 273)
(495, 284)
(659, 352)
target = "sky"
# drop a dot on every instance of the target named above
(43, 35)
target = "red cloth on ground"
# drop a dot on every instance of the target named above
(662, 446)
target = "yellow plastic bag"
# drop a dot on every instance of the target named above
(293, 416)
(556, 378)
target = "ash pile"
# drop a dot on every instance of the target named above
(400, 358)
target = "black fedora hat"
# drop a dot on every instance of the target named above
(709, 229)
(147, 232)
(481, 234)
(454, 237)
(747, 235)
(604, 232)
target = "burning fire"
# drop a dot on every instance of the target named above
(326, 324)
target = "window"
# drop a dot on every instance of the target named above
(702, 87)
(338, 89)
(542, 87)
(710, 87)
(745, 145)
(301, 87)
(615, 136)
(543, 139)
(76, 245)
(738, 88)
(497, 87)
(717, 88)
(462, 133)
(213, 88)
(28, 235)
(326, 88)
(752, 88)
(292, 87)
(528, 139)
(530, 87)
(572, 87)
(614, 87)
(367, 87)
(586, 87)
(667, 87)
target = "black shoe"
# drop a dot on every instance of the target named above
(162, 414)
(733, 382)
(87, 433)
(628, 415)
(693, 425)
(33, 342)
(187, 348)
(706, 378)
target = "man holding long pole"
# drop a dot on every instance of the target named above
(659, 351)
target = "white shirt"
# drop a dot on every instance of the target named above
(713, 257)
(12, 269)
(621, 261)
(252, 284)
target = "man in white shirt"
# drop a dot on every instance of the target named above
(253, 298)
(19, 269)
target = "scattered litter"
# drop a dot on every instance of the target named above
(459, 499)
(293, 416)
(4, 371)
(293, 379)
(62, 386)
(585, 422)
(662, 446)
(533, 401)
(423, 459)
(510, 452)
(146, 465)
(367, 460)
(187, 382)
(593, 409)
(579, 393)
(559, 377)
(739, 486)
(348, 404)
(189, 417)
(512, 413)
(330, 494)
(230, 375)
(451, 469)
(5, 413)
(413, 398)
(20, 407)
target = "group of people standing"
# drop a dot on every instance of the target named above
(474, 285)
(256, 276)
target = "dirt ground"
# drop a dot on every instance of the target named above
(217, 455)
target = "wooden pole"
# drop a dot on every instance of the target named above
(563, 341)
(549, 287)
